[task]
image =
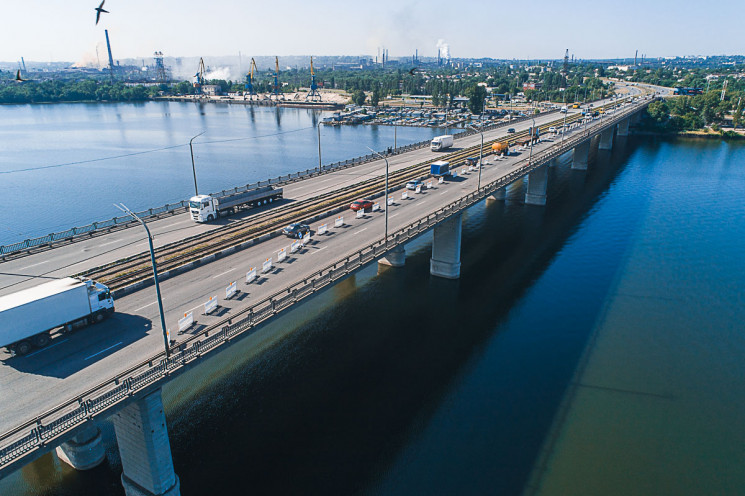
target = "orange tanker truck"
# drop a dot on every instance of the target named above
(500, 148)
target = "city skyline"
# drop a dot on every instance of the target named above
(326, 27)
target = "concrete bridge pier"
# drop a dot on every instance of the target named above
(85, 450)
(537, 186)
(581, 155)
(499, 194)
(395, 258)
(606, 140)
(623, 127)
(445, 261)
(144, 448)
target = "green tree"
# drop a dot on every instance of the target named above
(476, 96)
(375, 97)
(358, 97)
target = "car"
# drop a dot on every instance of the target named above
(363, 205)
(511, 130)
(296, 230)
(552, 129)
(413, 184)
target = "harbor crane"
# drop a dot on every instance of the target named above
(250, 78)
(313, 95)
(199, 77)
(275, 86)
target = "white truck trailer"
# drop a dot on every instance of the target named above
(206, 208)
(441, 142)
(28, 317)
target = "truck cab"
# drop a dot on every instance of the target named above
(100, 299)
(202, 208)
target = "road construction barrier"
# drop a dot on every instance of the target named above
(471, 168)
(376, 206)
(230, 290)
(322, 229)
(250, 275)
(429, 184)
(455, 173)
(360, 213)
(339, 221)
(281, 254)
(210, 305)
(185, 322)
(295, 246)
(266, 266)
(306, 239)
(418, 189)
(404, 195)
(440, 180)
(390, 200)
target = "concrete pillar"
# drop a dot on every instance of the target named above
(445, 261)
(623, 127)
(142, 436)
(606, 140)
(395, 258)
(499, 194)
(85, 450)
(537, 185)
(581, 155)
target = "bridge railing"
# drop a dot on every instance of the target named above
(52, 426)
(172, 208)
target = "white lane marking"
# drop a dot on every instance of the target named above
(318, 250)
(45, 349)
(357, 232)
(34, 265)
(111, 242)
(223, 273)
(148, 305)
(393, 215)
(107, 349)
(444, 193)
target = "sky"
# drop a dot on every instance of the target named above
(55, 30)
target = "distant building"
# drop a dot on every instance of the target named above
(211, 89)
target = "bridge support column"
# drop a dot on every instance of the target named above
(499, 194)
(144, 448)
(581, 155)
(537, 185)
(445, 261)
(395, 258)
(623, 127)
(606, 140)
(85, 450)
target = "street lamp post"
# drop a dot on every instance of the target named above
(481, 154)
(566, 111)
(532, 132)
(318, 127)
(193, 169)
(386, 192)
(124, 208)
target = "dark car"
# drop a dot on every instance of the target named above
(511, 130)
(296, 230)
(363, 205)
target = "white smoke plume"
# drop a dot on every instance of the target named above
(219, 73)
(444, 49)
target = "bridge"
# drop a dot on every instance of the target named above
(53, 397)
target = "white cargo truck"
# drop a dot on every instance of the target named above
(441, 142)
(206, 208)
(28, 317)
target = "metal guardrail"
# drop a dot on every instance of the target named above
(46, 428)
(171, 208)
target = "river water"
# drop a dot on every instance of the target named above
(593, 346)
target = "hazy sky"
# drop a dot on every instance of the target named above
(56, 30)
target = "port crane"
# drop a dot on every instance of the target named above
(199, 76)
(250, 78)
(275, 86)
(313, 95)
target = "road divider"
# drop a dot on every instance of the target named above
(429, 184)
(231, 290)
(404, 195)
(418, 189)
(295, 246)
(360, 213)
(322, 229)
(390, 200)
(339, 221)
(211, 305)
(281, 254)
(250, 275)
(376, 206)
(306, 238)
(266, 266)
(185, 322)
(440, 180)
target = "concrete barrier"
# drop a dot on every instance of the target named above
(455, 174)
(250, 275)
(210, 305)
(360, 213)
(404, 195)
(390, 200)
(322, 229)
(440, 180)
(185, 322)
(306, 238)
(376, 207)
(418, 189)
(281, 254)
(429, 184)
(295, 246)
(266, 266)
(230, 290)
(339, 221)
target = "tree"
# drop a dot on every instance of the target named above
(375, 97)
(476, 97)
(358, 97)
(737, 116)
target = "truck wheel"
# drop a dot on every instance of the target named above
(41, 340)
(95, 319)
(210, 218)
(23, 348)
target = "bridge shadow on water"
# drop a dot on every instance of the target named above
(371, 391)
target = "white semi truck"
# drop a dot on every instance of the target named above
(441, 142)
(28, 317)
(206, 208)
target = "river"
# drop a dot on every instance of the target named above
(593, 346)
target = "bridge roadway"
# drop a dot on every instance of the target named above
(73, 363)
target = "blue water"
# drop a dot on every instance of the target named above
(400, 383)
(65, 165)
